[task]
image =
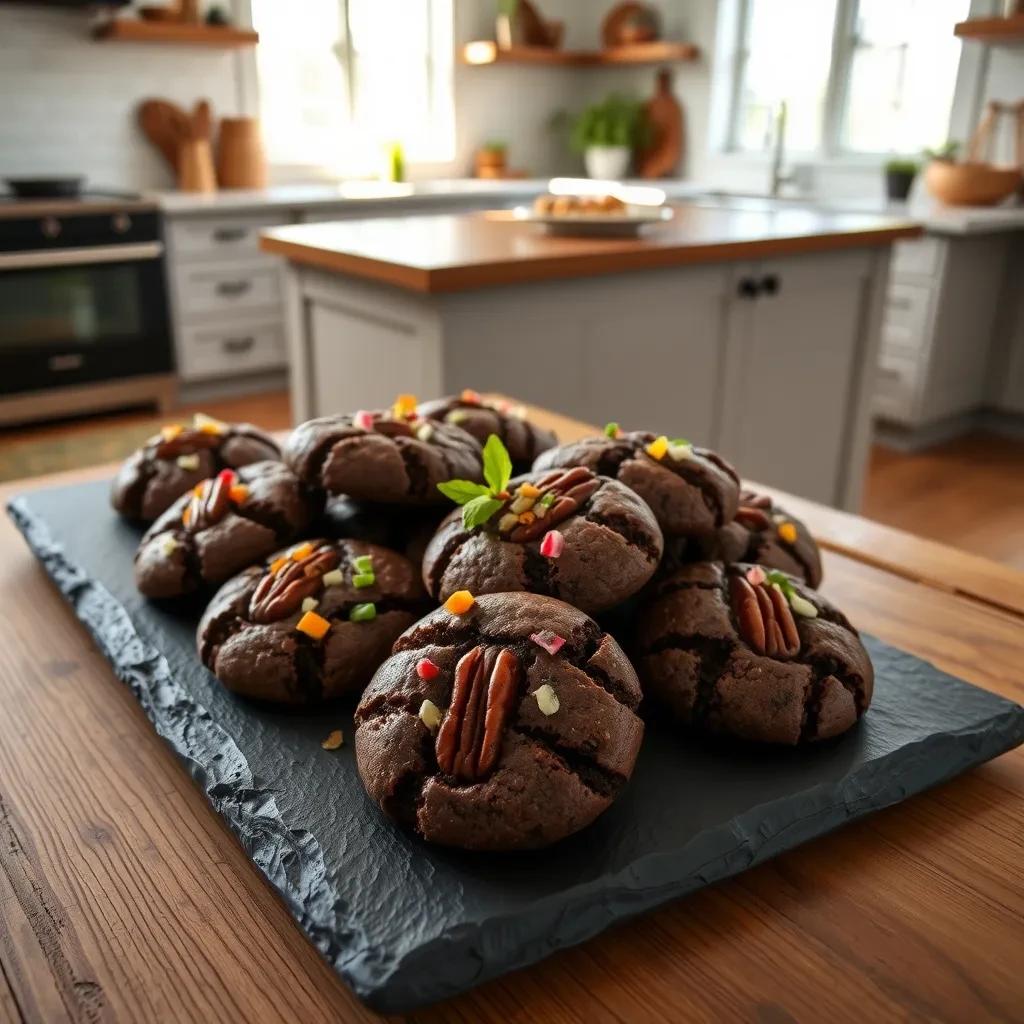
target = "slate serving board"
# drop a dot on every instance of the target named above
(405, 924)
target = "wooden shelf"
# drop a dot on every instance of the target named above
(486, 52)
(995, 31)
(130, 30)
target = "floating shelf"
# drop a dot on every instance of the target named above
(130, 30)
(485, 51)
(995, 31)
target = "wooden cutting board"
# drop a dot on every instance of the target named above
(662, 156)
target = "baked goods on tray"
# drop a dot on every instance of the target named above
(547, 205)
(222, 526)
(741, 651)
(502, 722)
(311, 623)
(179, 457)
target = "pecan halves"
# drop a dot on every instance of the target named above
(281, 593)
(571, 489)
(209, 504)
(486, 685)
(754, 510)
(764, 617)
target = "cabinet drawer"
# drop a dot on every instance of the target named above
(202, 290)
(238, 348)
(919, 256)
(905, 322)
(896, 388)
(221, 237)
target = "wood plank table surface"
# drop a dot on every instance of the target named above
(124, 897)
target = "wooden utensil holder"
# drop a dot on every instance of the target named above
(195, 166)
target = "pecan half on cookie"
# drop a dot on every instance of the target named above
(221, 526)
(742, 651)
(175, 460)
(509, 726)
(569, 534)
(312, 623)
(382, 456)
(692, 491)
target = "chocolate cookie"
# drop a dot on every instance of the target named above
(523, 439)
(311, 624)
(570, 534)
(738, 651)
(762, 533)
(509, 726)
(223, 525)
(389, 456)
(403, 528)
(175, 460)
(692, 491)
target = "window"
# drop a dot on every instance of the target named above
(857, 76)
(339, 79)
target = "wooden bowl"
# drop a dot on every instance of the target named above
(970, 184)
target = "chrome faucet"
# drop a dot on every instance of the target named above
(779, 177)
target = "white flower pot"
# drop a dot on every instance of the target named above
(607, 162)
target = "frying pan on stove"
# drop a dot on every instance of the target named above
(46, 188)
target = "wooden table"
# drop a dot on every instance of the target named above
(124, 897)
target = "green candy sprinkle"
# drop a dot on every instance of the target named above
(546, 500)
(363, 613)
(611, 429)
(363, 563)
(363, 579)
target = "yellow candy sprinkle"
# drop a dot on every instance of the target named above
(529, 491)
(658, 447)
(208, 425)
(313, 625)
(787, 532)
(277, 565)
(460, 602)
(301, 552)
(333, 741)
(404, 405)
(171, 431)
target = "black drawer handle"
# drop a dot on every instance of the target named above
(770, 284)
(230, 234)
(747, 288)
(233, 287)
(238, 344)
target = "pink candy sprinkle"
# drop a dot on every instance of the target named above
(363, 420)
(552, 544)
(756, 575)
(550, 642)
(426, 669)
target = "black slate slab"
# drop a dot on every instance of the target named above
(405, 924)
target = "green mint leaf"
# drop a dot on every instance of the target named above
(783, 581)
(497, 464)
(611, 429)
(461, 491)
(479, 510)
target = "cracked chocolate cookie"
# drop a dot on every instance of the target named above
(175, 460)
(739, 651)
(507, 726)
(762, 533)
(403, 528)
(692, 491)
(523, 439)
(396, 456)
(223, 525)
(569, 534)
(312, 623)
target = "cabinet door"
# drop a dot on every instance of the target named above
(794, 370)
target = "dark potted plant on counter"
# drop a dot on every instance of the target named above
(899, 176)
(607, 133)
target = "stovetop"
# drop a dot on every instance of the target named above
(93, 201)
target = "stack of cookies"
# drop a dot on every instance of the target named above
(477, 588)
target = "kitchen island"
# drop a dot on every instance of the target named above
(755, 332)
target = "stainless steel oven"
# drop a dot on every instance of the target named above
(83, 307)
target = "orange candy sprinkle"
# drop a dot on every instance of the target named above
(301, 552)
(470, 396)
(787, 532)
(460, 602)
(238, 493)
(186, 516)
(526, 518)
(333, 740)
(277, 565)
(313, 625)
(404, 405)
(528, 491)
(171, 431)
(658, 447)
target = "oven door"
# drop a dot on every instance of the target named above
(80, 316)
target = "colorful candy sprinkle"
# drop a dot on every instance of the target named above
(363, 579)
(457, 416)
(334, 578)
(363, 612)
(313, 625)
(170, 431)
(426, 669)
(425, 432)
(309, 603)
(460, 602)
(239, 493)
(550, 642)
(430, 716)
(547, 699)
(277, 565)
(168, 546)
(787, 533)
(189, 462)
(363, 563)
(470, 397)
(802, 606)
(612, 430)
(297, 554)
(756, 575)
(528, 491)
(334, 740)
(658, 447)
(363, 420)
(208, 425)
(404, 405)
(679, 450)
(552, 544)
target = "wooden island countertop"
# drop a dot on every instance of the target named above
(459, 252)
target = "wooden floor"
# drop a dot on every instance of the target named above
(968, 493)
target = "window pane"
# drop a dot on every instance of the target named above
(788, 53)
(903, 74)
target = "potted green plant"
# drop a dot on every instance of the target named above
(607, 133)
(899, 176)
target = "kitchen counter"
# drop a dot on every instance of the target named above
(445, 253)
